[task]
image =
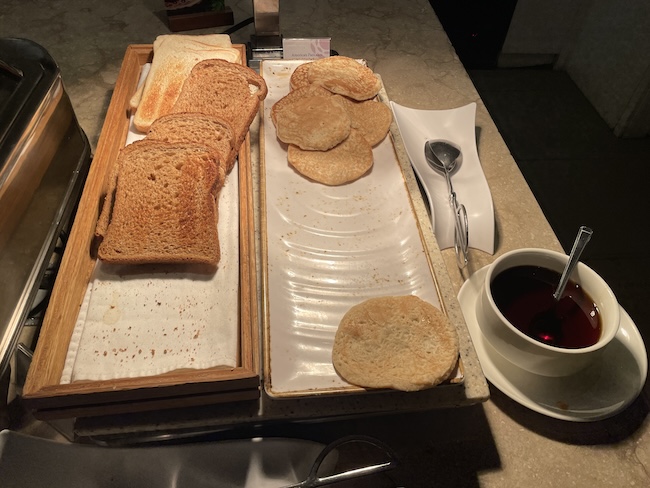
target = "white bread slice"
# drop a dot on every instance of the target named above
(137, 96)
(174, 57)
(223, 89)
(162, 208)
(197, 128)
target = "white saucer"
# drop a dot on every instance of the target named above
(598, 392)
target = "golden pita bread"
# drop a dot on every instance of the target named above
(342, 164)
(294, 95)
(313, 123)
(371, 117)
(299, 77)
(345, 76)
(401, 342)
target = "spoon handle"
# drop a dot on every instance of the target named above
(584, 234)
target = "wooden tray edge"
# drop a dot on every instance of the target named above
(42, 389)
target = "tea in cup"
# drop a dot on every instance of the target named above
(522, 321)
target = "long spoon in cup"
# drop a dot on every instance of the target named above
(546, 326)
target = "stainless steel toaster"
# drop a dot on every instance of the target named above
(44, 159)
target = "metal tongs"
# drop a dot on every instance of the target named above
(314, 479)
(444, 156)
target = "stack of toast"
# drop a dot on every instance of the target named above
(195, 109)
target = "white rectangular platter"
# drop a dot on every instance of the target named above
(325, 249)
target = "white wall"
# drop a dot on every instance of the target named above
(541, 26)
(604, 46)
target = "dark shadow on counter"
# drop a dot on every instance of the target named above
(607, 431)
(441, 448)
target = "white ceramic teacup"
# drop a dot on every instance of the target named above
(531, 354)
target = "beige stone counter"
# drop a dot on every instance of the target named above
(494, 444)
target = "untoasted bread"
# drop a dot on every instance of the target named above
(174, 57)
(161, 207)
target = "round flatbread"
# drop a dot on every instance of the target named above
(314, 123)
(297, 94)
(299, 78)
(401, 342)
(342, 164)
(345, 76)
(371, 117)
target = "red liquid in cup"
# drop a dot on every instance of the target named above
(524, 295)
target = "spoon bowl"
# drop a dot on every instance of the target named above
(442, 156)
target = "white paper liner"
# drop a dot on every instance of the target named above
(146, 320)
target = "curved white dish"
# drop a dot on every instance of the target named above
(329, 248)
(598, 392)
(456, 125)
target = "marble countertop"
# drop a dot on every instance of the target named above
(496, 443)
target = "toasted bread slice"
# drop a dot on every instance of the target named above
(163, 206)
(226, 90)
(197, 128)
(174, 57)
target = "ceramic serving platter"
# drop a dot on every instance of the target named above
(327, 248)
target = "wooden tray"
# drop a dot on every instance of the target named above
(43, 391)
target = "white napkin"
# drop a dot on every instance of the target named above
(458, 126)
(146, 320)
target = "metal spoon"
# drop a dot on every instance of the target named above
(547, 325)
(443, 157)
(583, 237)
(387, 462)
